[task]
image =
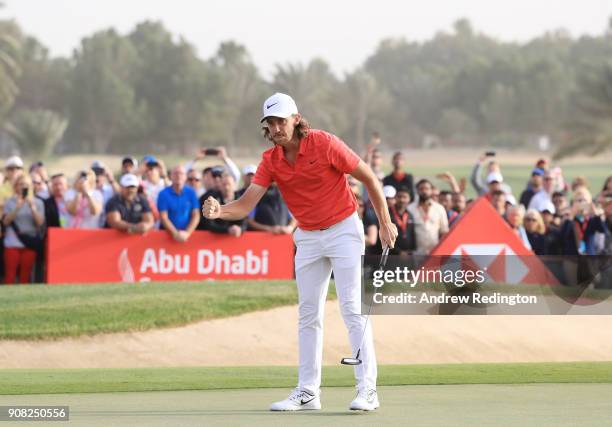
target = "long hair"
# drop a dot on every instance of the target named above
(301, 130)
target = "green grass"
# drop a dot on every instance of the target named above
(43, 312)
(37, 381)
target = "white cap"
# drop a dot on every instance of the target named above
(97, 164)
(129, 180)
(14, 161)
(389, 191)
(279, 105)
(494, 177)
(547, 205)
(249, 169)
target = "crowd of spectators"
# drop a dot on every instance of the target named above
(142, 196)
(551, 216)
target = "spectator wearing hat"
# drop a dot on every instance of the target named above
(84, 202)
(194, 181)
(534, 185)
(543, 196)
(24, 220)
(494, 179)
(13, 168)
(247, 175)
(399, 177)
(221, 153)
(178, 207)
(56, 211)
(129, 211)
(389, 191)
(226, 194)
(430, 220)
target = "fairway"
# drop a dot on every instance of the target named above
(457, 405)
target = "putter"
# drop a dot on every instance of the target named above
(356, 360)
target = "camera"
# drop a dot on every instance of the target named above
(25, 192)
(211, 151)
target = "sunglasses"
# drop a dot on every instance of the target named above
(530, 219)
(193, 179)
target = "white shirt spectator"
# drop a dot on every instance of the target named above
(153, 190)
(540, 201)
(428, 226)
(84, 219)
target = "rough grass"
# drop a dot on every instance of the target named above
(42, 311)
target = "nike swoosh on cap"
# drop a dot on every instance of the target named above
(271, 105)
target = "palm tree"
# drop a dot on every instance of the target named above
(10, 45)
(36, 131)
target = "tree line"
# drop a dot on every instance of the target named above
(149, 91)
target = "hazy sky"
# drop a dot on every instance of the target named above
(342, 32)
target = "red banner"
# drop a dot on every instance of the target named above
(94, 256)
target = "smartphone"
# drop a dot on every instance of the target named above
(24, 192)
(211, 151)
(490, 154)
(83, 175)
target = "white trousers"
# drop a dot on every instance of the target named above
(338, 248)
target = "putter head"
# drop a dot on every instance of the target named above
(350, 361)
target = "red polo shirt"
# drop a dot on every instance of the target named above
(315, 187)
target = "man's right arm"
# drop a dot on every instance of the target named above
(237, 209)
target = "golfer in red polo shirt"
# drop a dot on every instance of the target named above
(309, 167)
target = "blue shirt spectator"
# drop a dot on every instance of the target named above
(178, 206)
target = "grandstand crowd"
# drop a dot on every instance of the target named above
(551, 215)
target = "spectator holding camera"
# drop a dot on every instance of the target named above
(221, 153)
(24, 220)
(178, 207)
(84, 202)
(577, 233)
(226, 194)
(129, 211)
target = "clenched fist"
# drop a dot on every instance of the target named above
(211, 208)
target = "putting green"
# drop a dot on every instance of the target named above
(439, 405)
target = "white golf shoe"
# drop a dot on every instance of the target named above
(298, 400)
(366, 400)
